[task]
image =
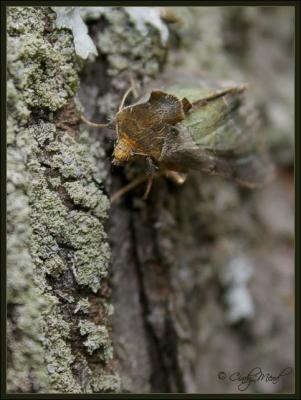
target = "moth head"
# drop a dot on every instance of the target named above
(122, 152)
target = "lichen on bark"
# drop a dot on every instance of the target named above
(54, 176)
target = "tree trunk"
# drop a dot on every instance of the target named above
(141, 296)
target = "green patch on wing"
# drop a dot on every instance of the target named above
(222, 128)
(217, 124)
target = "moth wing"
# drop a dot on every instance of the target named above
(148, 122)
(224, 139)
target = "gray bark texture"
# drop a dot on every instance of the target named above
(161, 295)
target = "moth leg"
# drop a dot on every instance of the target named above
(134, 183)
(151, 173)
(176, 177)
(149, 177)
(148, 187)
(151, 167)
(137, 181)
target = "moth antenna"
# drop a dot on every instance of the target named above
(93, 124)
(133, 85)
(130, 89)
(133, 89)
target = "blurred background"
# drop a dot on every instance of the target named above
(243, 44)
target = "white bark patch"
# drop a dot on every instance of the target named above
(69, 17)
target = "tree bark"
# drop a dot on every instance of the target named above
(139, 296)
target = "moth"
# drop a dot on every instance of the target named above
(200, 125)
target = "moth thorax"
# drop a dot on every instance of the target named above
(122, 151)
